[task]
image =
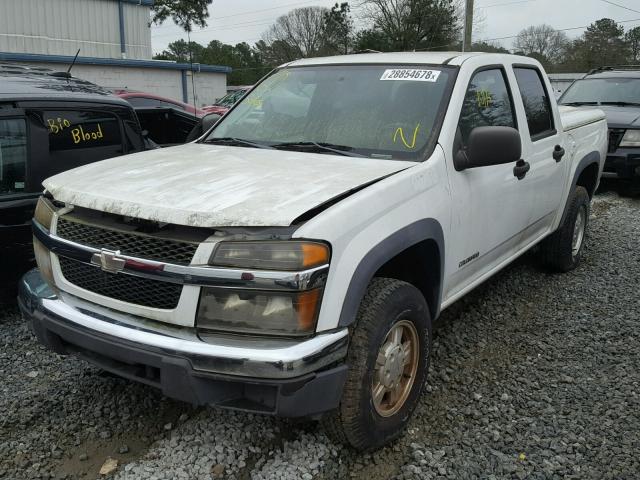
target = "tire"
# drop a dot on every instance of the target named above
(360, 422)
(559, 252)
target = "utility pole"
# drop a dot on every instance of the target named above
(468, 26)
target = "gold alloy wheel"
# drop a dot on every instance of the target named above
(395, 368)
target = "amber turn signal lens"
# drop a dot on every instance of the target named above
(314, 254)
(307, 305)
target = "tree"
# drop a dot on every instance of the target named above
(338, 29)
(632, 38)
(299, 33)
(185, 13)
(247, 62)
(180, 50)
(412, 24)
(542, 42)
(602, 43)
(487, 47)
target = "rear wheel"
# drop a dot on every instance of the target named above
(388, 362)
(562, 250)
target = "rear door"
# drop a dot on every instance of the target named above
(542, 147)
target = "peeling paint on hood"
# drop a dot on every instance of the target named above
(211, 185)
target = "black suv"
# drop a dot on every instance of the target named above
(616, 91)
(50, 122)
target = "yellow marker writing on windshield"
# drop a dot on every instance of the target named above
(400, 131)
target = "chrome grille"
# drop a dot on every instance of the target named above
(128, 243)
(127, 288)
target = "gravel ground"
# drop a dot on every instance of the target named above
(533, 376)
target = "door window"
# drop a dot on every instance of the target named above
(536, 102)
(72, 130)
(13, 155)
(487, 103)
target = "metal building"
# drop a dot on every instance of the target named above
(99, 28)
(114, 38)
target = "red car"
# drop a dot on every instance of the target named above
(223, 105)
(142, 99)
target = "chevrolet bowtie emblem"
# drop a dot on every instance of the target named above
(108, 261)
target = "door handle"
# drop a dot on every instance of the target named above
(521, 169)
(558, 153)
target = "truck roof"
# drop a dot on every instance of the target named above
(433, 58)
(21, 82)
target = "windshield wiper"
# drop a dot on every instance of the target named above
(577, 104)
(622, 104)
(233, 141)
(319, 146)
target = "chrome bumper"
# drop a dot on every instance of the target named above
(263, 358)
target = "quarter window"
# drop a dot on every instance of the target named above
(536, 102)
(487, 103)
(13, 155)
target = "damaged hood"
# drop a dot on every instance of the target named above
(211, 185)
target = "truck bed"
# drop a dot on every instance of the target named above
(575, 117)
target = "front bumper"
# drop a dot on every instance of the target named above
(281, 377)
(624, 163)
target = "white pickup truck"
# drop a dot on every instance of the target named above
(291, 261)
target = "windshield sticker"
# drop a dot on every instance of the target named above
(484, 98)
(254, 102)
(400, 132)
(411, 74)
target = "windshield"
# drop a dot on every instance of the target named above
(376, 111)
(603, 90)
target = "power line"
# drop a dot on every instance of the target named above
(507, 3)
(249, 12)
(515, 36)
(621, 6)
(255, 23)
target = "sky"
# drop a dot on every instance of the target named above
(245, 20)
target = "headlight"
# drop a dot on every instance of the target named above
(266, 312)
(44, 216)
(43, 260)
(279, 255)
(259, 312)
(631, 138)
(44, 212)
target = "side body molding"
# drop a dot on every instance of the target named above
(412, 234)
(588, 159)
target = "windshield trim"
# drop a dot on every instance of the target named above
(427, 150)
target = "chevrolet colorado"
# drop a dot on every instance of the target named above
(291, 260)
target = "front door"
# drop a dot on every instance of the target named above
(17, 199)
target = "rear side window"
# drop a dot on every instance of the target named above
(536, 102)
(72, 130)
(487, 103)
(13, 155)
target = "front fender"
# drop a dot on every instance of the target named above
(425, 229)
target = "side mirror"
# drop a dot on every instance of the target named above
(209, 121)
(489, 146)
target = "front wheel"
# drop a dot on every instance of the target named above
(562, 250)
(388, 363)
